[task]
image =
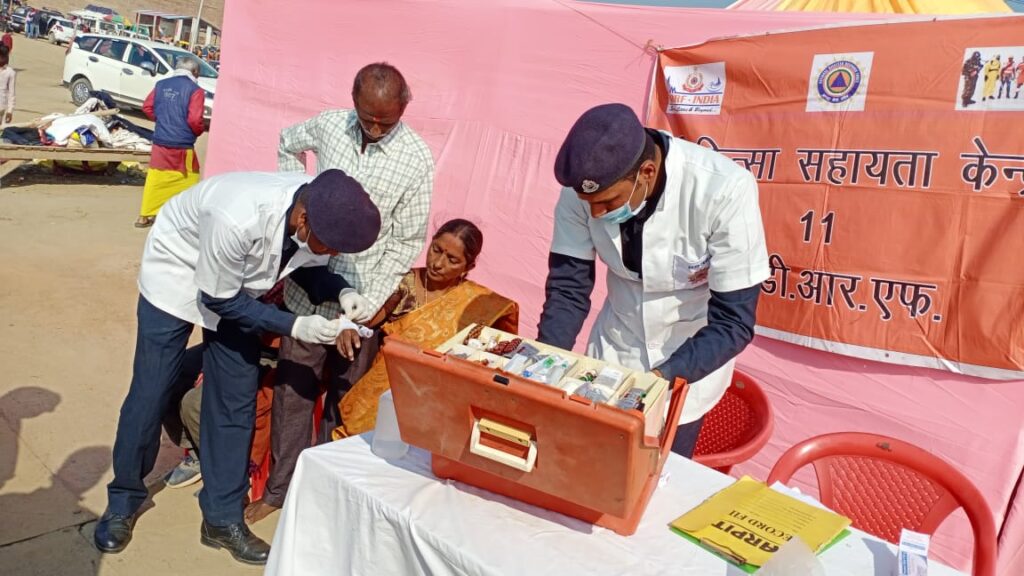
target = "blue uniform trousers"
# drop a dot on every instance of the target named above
(686, 437)
(231, 364)
(230, 378)
(159, 350)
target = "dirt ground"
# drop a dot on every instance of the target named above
(69, 256)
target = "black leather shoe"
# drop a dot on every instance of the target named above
(244, 545)
(113, 532)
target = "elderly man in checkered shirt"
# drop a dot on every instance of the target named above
(371, 144)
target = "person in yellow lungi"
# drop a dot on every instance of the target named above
(176, 105)
(430, 305)
(991, 78)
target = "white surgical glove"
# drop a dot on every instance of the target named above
(355, 306)
(315, 329)
(346, 324)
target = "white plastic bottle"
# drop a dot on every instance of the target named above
(387, 441)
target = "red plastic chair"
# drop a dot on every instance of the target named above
(737, 427)
(883, 485)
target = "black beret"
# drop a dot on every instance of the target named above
(601, 147)
(340, 213)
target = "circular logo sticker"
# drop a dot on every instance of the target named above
(694, 81)
(839, 81)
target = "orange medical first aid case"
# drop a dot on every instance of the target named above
(532, 441)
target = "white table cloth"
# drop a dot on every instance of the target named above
(349, 512)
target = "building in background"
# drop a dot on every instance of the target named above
(176, 28)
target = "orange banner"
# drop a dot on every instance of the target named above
(890, 160)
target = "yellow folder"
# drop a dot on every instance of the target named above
(748, 522)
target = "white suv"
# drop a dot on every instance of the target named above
(127, 69)
(61, 31)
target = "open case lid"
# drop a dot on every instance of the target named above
(593, 455)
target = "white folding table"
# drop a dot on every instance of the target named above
(349, 512)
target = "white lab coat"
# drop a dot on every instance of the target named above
(706, 234)
(220, 236)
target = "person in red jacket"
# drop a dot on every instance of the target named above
(1006, 77)
(176, 105)
(1020, 78)
(7, 40)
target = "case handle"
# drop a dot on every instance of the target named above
(675, 407)
(523, 463)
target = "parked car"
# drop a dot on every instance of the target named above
(127, 69)
(61, 31)
(93, 22)
(17, 21)
(133, 34)
(47, 17)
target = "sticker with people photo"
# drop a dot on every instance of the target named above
(991, 78)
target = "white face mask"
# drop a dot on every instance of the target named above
(303, 245)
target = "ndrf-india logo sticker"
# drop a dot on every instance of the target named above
(697, 89)
(839, 82)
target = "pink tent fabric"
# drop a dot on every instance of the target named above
(877, 6)
(496, 85)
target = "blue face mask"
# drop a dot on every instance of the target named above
(624, 213)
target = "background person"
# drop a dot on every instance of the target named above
(7, 80)
(32, 24)
(176, 105)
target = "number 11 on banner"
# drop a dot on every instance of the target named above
(808, 221)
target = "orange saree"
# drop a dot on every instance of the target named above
(428, 326)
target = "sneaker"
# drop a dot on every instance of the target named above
(186, 474)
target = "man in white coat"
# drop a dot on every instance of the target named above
(216, 248)
(679, 228)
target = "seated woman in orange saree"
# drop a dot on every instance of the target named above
(431, 305)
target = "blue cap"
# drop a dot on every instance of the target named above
(340, 213)
(600, 148)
